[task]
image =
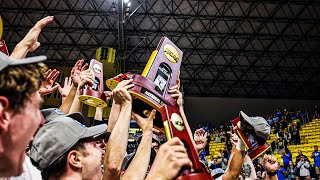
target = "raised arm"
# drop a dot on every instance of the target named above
(271, 166)
(117, 144)
(75, 78)
(236, 159)
(30, 42)
(86, 78)
(139, 165)
(177, 95)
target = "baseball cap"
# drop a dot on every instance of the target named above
(56, 137)
(6, 61)
(51, 113)
(260, 125)
(217, 172)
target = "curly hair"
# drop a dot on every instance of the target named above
(17, 83)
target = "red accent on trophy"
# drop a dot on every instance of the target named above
(3, 47)
(255, 145)
(175, 127)
(94, 96)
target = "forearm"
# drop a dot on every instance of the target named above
(117, 144)
(114, 115)
(66, 105)
(235, 166)
(19, 52)
(184, 118)
(76, 104)
(139, 165)
(99, 114)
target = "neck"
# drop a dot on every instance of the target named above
(11, 164)
(69, 176)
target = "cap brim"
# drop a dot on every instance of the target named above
(29, 60)
(246, 117)
(95, 131)
(77, 116)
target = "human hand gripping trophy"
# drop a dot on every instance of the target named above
(151, 91)
(94, 96)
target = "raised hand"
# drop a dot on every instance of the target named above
(86, 78)
(64, 91)
(120, 93)
(108, 95)
(270, 164)
(234, 138)
(146, 124)
(76, 70)
(46, 87)
(30, 42)
(171, 157)
(200, 139)
(176, 94)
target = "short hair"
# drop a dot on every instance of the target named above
(17, 83)
(59, 167)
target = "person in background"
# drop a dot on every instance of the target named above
(316, 156)
(291, 170)
(282, 173)
(287, 157)
(298, 157)
(304, 166)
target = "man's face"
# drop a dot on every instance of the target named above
(299, 152)
(316, 148)
(92, 160)
(23, 126)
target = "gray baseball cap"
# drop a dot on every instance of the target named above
(51, 113)
(260, 125)
(6, 61)
(56, 137)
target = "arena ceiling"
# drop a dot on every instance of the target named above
(267, 49)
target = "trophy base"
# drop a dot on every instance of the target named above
(195, 176)
(253, 154)
(92, 98)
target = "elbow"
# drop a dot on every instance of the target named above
(112, 168)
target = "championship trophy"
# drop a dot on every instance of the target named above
(94, 96)
(254, 132)
(151, 92)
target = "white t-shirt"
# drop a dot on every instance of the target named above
(29, 172)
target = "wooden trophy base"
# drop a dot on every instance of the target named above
(254, 153)
(174, 127)
(92, 98)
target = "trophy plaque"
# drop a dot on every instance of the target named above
(94, 96)
(256, 145)
(151, 92)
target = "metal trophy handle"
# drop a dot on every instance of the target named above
(94, 96)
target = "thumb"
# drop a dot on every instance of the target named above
(55, 87)
(34, 46)
(152, 114)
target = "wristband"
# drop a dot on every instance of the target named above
(271, 173)
(240, 146)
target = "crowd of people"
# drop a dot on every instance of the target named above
(286, 127)
(55, 144)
